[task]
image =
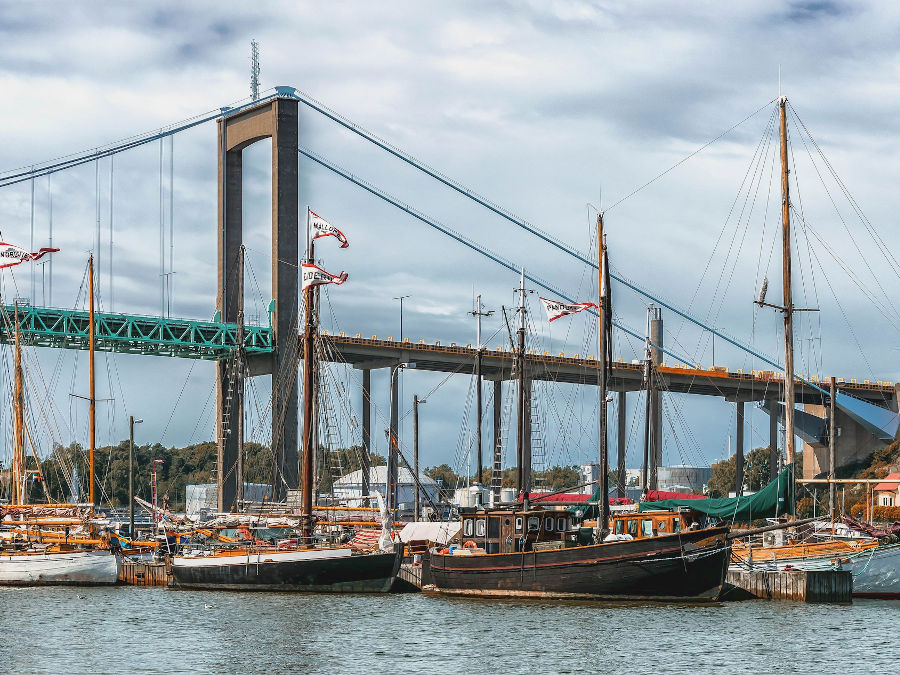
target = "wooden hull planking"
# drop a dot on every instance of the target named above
(690, 565)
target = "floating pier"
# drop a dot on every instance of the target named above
(144, 574)
(799, 585)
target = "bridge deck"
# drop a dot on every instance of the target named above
(575, 369)
(130, 334)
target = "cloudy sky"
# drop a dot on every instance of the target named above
(547, 108)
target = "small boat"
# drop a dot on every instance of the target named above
(310, 559)
(51, 544)
(55, 565)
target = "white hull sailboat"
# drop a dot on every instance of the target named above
(54, 568)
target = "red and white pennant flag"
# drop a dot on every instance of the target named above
(322, 228)
(556, 309)
(11, 255)
(313, 275)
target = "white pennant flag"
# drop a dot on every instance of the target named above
(556, 309)
(11, 255)
(322, 228)
(313, 275)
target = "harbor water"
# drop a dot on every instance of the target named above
(81, 630)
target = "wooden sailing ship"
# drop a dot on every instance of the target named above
(524, 550)
(309, 562)
(51, 544)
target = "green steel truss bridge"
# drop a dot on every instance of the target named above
(131, 334)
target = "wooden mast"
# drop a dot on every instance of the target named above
(603, 344)
(307, 450)
(786, 281)
(18, 464)
(92, 401)
(523, 445)
(239, 382)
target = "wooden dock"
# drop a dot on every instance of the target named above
(409, 579)
(799, 585)
(144, 574)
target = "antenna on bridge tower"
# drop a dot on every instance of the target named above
(254, 70)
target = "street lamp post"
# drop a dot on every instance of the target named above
(131, 423)
(401, 299)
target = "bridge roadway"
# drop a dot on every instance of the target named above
(214, 340)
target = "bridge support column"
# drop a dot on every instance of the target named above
(620, 445)
(739, 450)
(656, 435)
(276, 119)
(366, 461)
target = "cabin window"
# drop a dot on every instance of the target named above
(561, 524)
(534, 523)
(676, 526)
(479, 527)
(494, 528)
(661, 526)
(467, 528)
(646, 527)
(632, 527)
(518, 524)
(548, 524)
(620, 527)
(506, 522)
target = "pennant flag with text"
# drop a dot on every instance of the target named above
(557, 309)
(11, 255)
(313, 275)
(322, 228)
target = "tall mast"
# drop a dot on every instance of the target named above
(648, 385)
(239, 380)
(93, 400)
(786, 280)
(309, 346)
(604, 345)
(523, 446)
(479, 312)
(18, 467)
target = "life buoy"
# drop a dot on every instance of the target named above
(470, 544)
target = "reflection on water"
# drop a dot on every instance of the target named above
(139, 630)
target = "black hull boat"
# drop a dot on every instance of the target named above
(689, 565)
(313, 571)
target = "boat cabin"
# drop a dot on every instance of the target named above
(502, 531)
(507, 531)
(647, 524)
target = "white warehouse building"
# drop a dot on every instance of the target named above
(350, 486)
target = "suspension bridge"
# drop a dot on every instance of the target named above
(870, 407)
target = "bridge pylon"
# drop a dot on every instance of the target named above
(277, 119)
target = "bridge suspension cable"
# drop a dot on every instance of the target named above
(520, 222)
(461, 238)
(23, 174)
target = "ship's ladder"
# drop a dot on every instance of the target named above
(538, 454)
(509, 403)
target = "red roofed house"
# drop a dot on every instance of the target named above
(887, 493)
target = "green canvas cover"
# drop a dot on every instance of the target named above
(773, 500)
